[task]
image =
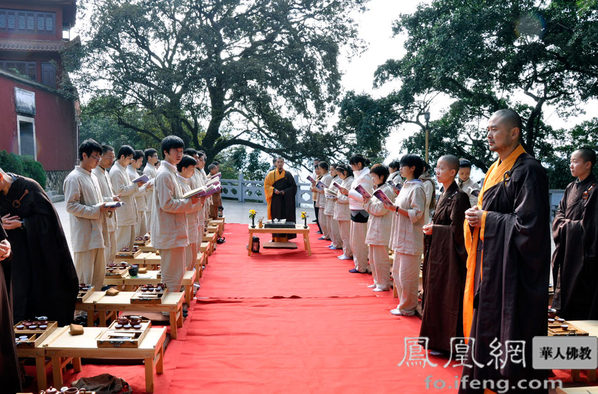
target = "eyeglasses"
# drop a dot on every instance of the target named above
(95, 157)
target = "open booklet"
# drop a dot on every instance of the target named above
(361, 190)
(114, 204)
(338, 186)
(320, 185)
(143, 179)
(312, 180)
(203, 191)
(380, 195)
(216, 175)
(213, 181)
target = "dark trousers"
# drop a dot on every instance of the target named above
(316, 210)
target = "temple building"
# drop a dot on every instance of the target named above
(38, 106)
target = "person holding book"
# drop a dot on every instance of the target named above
(150, 170)
(170, 234)
(101, 173)
(331, 196)
(445, 259)
(126, 190)
(342, 211)
(186, 171)
(359, 216)
(313, 179)
(141, 196)
(88, 210)
(379, 223)
(406, 238)
(320, 188)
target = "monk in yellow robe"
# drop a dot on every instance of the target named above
(280, 189)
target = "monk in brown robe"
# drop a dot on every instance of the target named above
(507, 236)
(575, 233)
(43, 277)
(280, 189)
(445, 258)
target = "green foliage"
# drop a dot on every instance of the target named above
(236, 160)
(491, 55)
(105, 128)
(221, 73)
(10, 162)
(24, 166)
(366, 123)
(34, 169)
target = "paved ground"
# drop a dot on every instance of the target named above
(234, 211)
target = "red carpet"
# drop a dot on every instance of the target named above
(285, 322)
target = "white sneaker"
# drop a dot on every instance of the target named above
(343, 257)
(396, 312)
(380, 288)
(372, 286)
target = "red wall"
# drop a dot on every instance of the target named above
(55, 127)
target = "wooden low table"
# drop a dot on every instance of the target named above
(171, 303)
(106, 306)
(299, 229)
(39, 354)
(63, 345)
(152, 277)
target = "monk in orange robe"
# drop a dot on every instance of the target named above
(280, 189)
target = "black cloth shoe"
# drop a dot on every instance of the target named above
(354, 271)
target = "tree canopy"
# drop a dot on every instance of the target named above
(487, 55)
(220, 73)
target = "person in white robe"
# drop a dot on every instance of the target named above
(150, 170)
(342, 211)
(359, 216)
(379, 226)
(141, 195)
(169, 230)
(467, 184)
(186, 169)
(102, 173)
(326, 180)
(85, 204)
(331, 193)
(126, 190)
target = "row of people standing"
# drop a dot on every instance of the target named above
(153, 205)
(486, 267)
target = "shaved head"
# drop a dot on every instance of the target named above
(510, 118)
(451, 161)
(587, 154)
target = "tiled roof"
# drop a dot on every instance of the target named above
(31, 45)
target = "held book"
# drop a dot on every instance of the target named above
(202, 191)
(320, 185)
(143, 179)
(312, 180)
(380, 195)
(338, 186)
(361, 190)
(114, 204)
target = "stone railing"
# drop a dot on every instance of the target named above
(55, 180)
(242, 190)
